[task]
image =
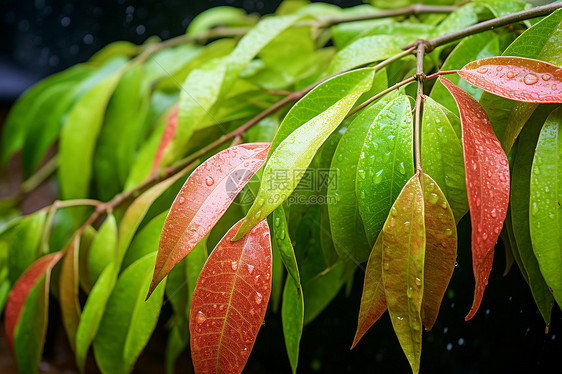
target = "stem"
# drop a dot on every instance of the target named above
(382, 93)
(77, 202)
(420, 76)
(439, 73)
(493, 23)
(40, 176)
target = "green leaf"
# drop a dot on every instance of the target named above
(293, 155)
(220, 16)
(545, 220)
(502, 8)
(174, 348)
(128, 321)
(385, 163)
(540, 42)
(120, 134)
(365, 51)
(292, 315)
(441, 154)
(403, 268)
(281, 235)
(68, 290)
(520, 195)
(23, 243)
(21, 117)
(78, 138)
(474, 47)
(347, 229)
(146, 241)
(112, 50)
(103, 249)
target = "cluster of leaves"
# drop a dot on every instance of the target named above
(133, 121)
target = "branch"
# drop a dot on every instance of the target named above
(492, 24)
(420, 77)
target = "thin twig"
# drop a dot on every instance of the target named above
(380, 94)
(40, 176)
(420, 77)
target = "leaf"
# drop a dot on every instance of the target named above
(230, 301)
(292, 154)
(365, 51)
(544, 205)
(167, 136)
(78, 138)
(520, 195)
(403, 250)
(516, 78)
(68, 290)
(219, 16)
(128, 321)
(112, 50)
(440, 249)
(145, 241)
(23, 241)
(474, 47)
(384, 164)
(103, 249)
(441, 154)
(25, 316)
(347, 228)
(174, 347)
(217, 180)
(487, 179)
(538, 42)
(292, 315)
(281, 235)
(373, 299)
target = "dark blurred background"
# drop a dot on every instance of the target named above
(40, 37)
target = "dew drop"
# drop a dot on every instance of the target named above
(448, 232)
(281, 235)
(479, 228)
(551, 215)
(433, 198)
(554, 87)
(535, 208)
(484, 235)
(499, 68)
(494, 213)
(401, 168)
(394, 211)
(209, 181)
(200, 317)
(361, 174)
(444, 204)
(410, 292)
(386, 266)
(510, 74)
(256, 279)
(258, 298)
(221, 307)
(546, 77)
(234, 265)
(181, 200)
(482, 70)
(418, 281)
(530, 79)
(478, 201)
(252, 312)
(497, 229)
(250, 269)
(378, 177)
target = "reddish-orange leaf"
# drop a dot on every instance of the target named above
(20, 291)
(516, 78)
(68, 290)
(373, 300)
(230, 300)
(203, 199)
(167, 136)
(487, 185)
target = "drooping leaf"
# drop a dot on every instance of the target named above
(112, 50)
(128, 320)
(403, 252)
(292, 315)
(539, 42)
(145, 241)
(440, 249)
(441, 154)
(25, 317)
(167, 136)
(347, 228)
(545, 219)
(203, 199)
(103, 249)
(219, 16)
(487, 186)
(281, 235)
(230, 301)
(385, 163)
(373, 299)
(68, 290)
(78, 138)
(293, 155)
(516, 78)
(520, 195)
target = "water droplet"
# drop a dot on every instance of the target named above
(252, 312)
(200, 317)
(484, 235)
(250, 269)
(546, 77)
(444, 204)
(546, 189)
(482, 70)
(394, 211)
(181, 199)
(499, 68)
(410, 292)
(258, 298)
(281, 235)
(256, 279)
(386, 266)
(362, 195)
(494, 213)
(477, 201)
(221, 307)
(551, 215)
(448, 232)
(361, 174)
(530, 79)
(433, 198)
(554, 87)
(418, 281)
(479, 228)
(401, 168)
(510, 74)
(209, 181)
(378, 176)
(260, 202)
(535, 208)
(497, 229)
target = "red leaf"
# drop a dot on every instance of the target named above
(69, 290)
(487, 185)
(20, 291)
(516, 78)
(167, 136)
(230, 301)
(203, 199)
